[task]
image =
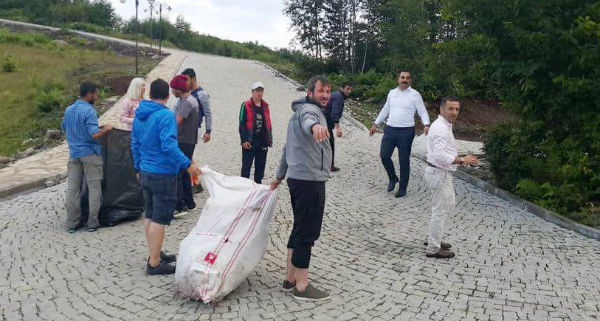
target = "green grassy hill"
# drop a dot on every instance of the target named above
(39, 77)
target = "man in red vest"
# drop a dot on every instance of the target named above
(255, 133)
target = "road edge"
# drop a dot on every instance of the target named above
(527, 206)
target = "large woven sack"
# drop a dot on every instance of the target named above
(229, 239)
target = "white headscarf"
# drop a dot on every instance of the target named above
(135, 89)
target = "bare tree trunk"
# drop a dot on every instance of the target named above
(362, 70)
(317, 39)
(317, 32)
(353, 37)
(345, 29)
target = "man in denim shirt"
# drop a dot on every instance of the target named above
(80, 125)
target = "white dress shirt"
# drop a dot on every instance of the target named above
(400, 108)
(442, 149)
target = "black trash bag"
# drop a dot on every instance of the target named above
(122, 198)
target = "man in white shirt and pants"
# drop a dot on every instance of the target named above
(400, 107)
(442, 159)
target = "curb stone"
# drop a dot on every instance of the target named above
(31, 186)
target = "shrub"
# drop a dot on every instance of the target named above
(87, 27)
(78, 42)
(336, 80)
(370, 84)
(15, 14)
(50, 85)
(99, 45)
(369, 78)
(550, 80)
(8, 64)
(9, 37)
(28, 39)
(560, 176)
(66, 33)
(506, 159)
(51, 100)
(375, 86)
(381, 88)
(589, 215)
(50, 97)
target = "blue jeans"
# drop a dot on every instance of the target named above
(401, 138)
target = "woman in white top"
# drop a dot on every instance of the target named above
(135, 93)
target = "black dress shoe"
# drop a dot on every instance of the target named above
(441, 254)
(391, 186)
(400, 193)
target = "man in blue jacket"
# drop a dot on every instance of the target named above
(333, 113)
(157, 159)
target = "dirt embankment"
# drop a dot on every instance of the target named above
(476, 118)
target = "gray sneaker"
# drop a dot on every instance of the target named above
(180, 213)
(311, 294)
(441, 254)
(288, 286)
(162, 268)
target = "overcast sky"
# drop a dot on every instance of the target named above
(238, 20)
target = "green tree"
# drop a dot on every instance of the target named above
(545, 58)
(307, 21)
(403, 31)
(101, 13)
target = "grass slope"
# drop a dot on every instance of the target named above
(45, 81)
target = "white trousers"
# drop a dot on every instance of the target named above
(443, 203)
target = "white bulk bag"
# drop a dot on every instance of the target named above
(229, 239)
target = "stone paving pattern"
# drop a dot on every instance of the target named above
(510, 265)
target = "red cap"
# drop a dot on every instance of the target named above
(180, 82)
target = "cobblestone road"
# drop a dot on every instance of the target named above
(510, 265)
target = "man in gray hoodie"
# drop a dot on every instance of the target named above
(306, 160)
